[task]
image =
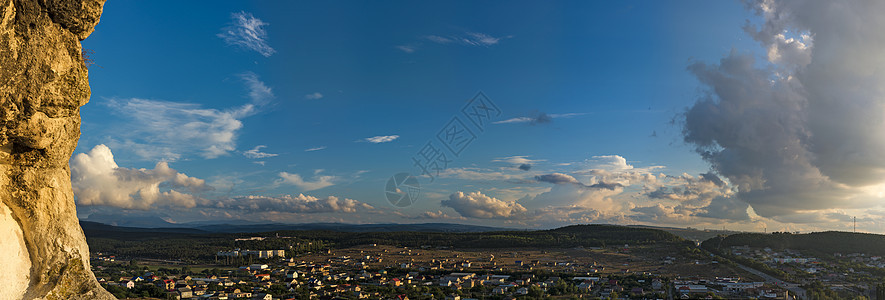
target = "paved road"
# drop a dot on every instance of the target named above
(792, 287)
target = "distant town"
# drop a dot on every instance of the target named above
(305, 269)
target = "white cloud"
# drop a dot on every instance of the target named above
(256, 153)
(479, 39)
(406, 48)
(315, 149)
(259, 93)
(477, 205)
(540, 118)
(515, 120)
(165, 130)
(247, 31)
(518, 160)
(293, 204)
(568, 215)
(689, 191)
(568, 193)
(467, 39)
(664, 214)
(97, 180)
(480, 174)
(319, 181)
(314, 96)
(438, 39)
(380, 139)
(179, 127)
(436, 215)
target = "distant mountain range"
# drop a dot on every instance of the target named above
(149, 223)
(243, 226)
(204, 228)
(240, 226)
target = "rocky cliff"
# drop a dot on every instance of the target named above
(43, 83)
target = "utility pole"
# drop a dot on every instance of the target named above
(855, 224)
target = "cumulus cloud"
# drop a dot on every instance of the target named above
(247, 31)
(664, 214)
(436, 215)
(538, 118)
(559, 178)
(293, 204)
(165, 130)
(380, 139)
(690, 191)
(802, 133)
(98, 180)
(318, 182)
(567, 215)
(255, 153)
(477, 205)
(602, 189)
(566, 193)
(611, 164)
(314, 96)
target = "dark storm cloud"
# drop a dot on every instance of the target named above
(803, 133)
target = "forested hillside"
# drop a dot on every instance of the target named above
(822, 242)
(193, 245)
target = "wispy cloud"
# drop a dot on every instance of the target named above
(379, 139)
(166, 130)
(520, 162)
(315, 149)
(313, 96)
(474, 174)
(540, 118)
(318, 181)
(406, 48)
(256, 153)
(247, 31)
(259, 93)
(480, 39)
(467, 39)
(438, 39)
(517, 160)
(169, 129)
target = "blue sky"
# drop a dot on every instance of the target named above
(301, 111)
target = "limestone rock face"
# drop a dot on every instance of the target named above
(43, 83)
